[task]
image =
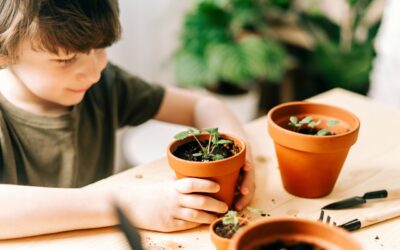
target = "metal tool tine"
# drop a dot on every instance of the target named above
(321, 215)
(327, 219)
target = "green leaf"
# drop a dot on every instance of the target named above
(293, 120)
(224, 141)
(331, 123)
(192, 70)
(306, 120)
(197, 154)
(254, 53)
(230, 218)
(226, 62)
(251, 58)
(211, 131)
(184, 134)
(323, 132)
(313, 124)
(214, 135)
(218, 157)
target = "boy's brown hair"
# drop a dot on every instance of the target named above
(54, 25)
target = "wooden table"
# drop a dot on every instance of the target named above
(373, 163)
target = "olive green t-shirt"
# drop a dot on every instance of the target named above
(76, 148)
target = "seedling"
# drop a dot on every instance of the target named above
(208, 151)
(231, 222)
(307, 125)
(231, 218)
(230, 225)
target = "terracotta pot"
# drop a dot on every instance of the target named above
(225, 172)
(270, 230)
(222, 243)
(309, 164)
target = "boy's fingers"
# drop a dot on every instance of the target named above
(247, 189)
(196, 216)
(247, 166)
(180, 224)
(248, 183)
(202, 202)
(192, 185)
(243, 201)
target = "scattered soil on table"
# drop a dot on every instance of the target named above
(260, 159)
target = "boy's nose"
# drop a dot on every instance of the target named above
(91, 68)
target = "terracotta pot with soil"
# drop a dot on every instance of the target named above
(290, 234)
(223, 229)
(310, 153)
(223, 163)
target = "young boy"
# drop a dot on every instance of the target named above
(60, 105)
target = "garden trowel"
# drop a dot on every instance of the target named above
(358, 200)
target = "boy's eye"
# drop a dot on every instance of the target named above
(66, 61)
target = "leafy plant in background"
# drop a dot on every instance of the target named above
(224, 41)
(342, 52)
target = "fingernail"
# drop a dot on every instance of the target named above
(245, 191)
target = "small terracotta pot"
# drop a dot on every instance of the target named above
(225, 172)
(310, 164)
(222, 243)
(270, 230)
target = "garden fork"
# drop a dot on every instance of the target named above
(326, 220)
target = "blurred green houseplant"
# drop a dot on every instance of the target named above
(223, 42)
(342, 51)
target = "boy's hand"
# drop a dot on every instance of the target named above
(247, 187)
(172, 206)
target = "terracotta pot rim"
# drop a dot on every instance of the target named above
(275, 126)
(335, 230)
(199, 163)
(212, 225)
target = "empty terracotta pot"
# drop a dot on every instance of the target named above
(291, 231)
(310, 164)
(225, 172)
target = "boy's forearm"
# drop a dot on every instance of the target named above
(210, 112)
(30, 210)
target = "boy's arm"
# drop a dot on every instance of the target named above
(203, 111)
(27, 210)
(163, 206)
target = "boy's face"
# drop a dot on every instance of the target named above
(57, 79)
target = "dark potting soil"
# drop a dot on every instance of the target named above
(311, 131)
(225, 231)
(187, 150)
(282, 245)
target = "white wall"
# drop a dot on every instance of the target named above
(150, 34)
(149, 37)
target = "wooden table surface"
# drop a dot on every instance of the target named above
(373, 163)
